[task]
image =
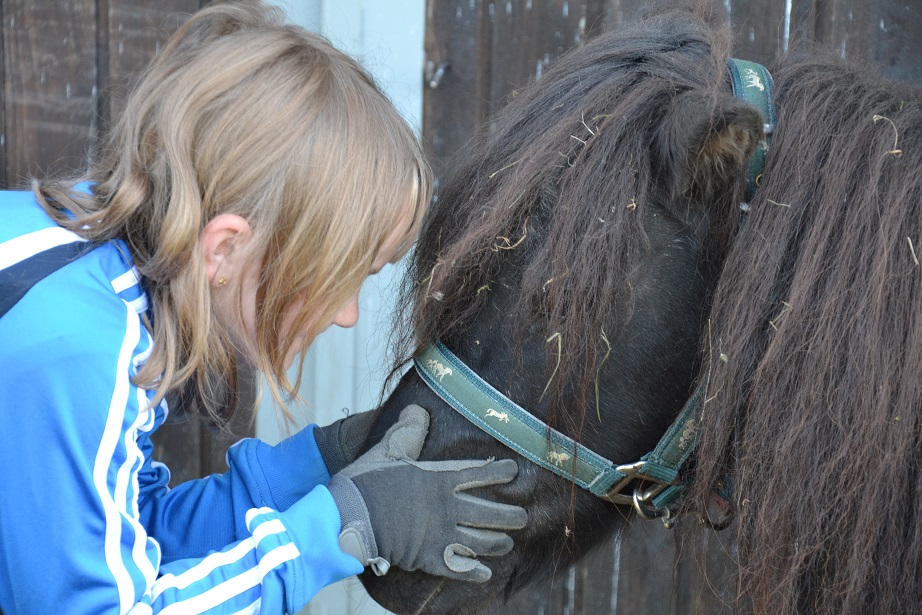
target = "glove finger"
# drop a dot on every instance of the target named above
(453, 465)
(472, 511)
(494, 473)
(485, 543)
(473, 472)
(404, 439)
(461, 565)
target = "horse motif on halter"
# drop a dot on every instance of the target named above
(753, 80)
(558, 459)
(688, 434)
(438, 369)
(499, 416)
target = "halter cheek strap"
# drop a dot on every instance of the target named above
(753, 84)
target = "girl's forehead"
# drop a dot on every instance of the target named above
(403, 234)
(396, 245)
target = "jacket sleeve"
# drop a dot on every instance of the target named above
(83, 509)
(183, 518)
(283, 562)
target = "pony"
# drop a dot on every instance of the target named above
(589, 257)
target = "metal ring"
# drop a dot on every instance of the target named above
(646, 511)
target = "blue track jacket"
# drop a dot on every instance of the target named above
(88, 524)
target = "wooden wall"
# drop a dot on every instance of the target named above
(62, 63)
(489, 49)
(486, 51)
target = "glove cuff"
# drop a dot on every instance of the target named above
(357, 537)
(327, 439)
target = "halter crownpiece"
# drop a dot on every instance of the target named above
(651, 484)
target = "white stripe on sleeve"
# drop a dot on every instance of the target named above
(252, 609)
(128, 476)
(254, 512)
(232, 587)
(202, 570)
(125, 281)
(104, 455)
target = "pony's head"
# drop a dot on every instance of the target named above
(569, 261)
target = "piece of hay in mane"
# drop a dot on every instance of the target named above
(896, 139)
(556, 367)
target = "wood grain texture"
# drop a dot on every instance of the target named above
(135, 30)
(4, 158)
(49, 88)
(527, 36)
(457, 75)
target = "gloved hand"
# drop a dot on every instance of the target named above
(339, 442)
(416, 515)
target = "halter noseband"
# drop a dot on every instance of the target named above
(651, 484)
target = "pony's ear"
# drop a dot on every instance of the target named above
(704, 142)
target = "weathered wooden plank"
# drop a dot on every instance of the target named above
(899, 35)
(618, 13)
(190, 448)
(760, 27)
(178, 444)
(135, 31)
(841, 25)
(596, 590)
(704, 578)
(550, 597)
(49, 58)
(4, 159)
(887, 33)
(527, 37)
(242, 425)
(645, 580)
(457, 76)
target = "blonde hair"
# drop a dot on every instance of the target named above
(242, 114)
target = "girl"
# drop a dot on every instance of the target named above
(256, 178)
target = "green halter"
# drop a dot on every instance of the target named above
(462, 389)
(651, 484)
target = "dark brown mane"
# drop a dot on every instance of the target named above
(556, 188)
(816, 352)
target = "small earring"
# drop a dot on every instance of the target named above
(222, 281)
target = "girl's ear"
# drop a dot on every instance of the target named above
(222, 241)
(704, 142)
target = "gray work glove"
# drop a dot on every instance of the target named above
(415, 514)
(340, 442)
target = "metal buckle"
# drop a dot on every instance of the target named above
(644, 488)
(615, 495)
(639, 491)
